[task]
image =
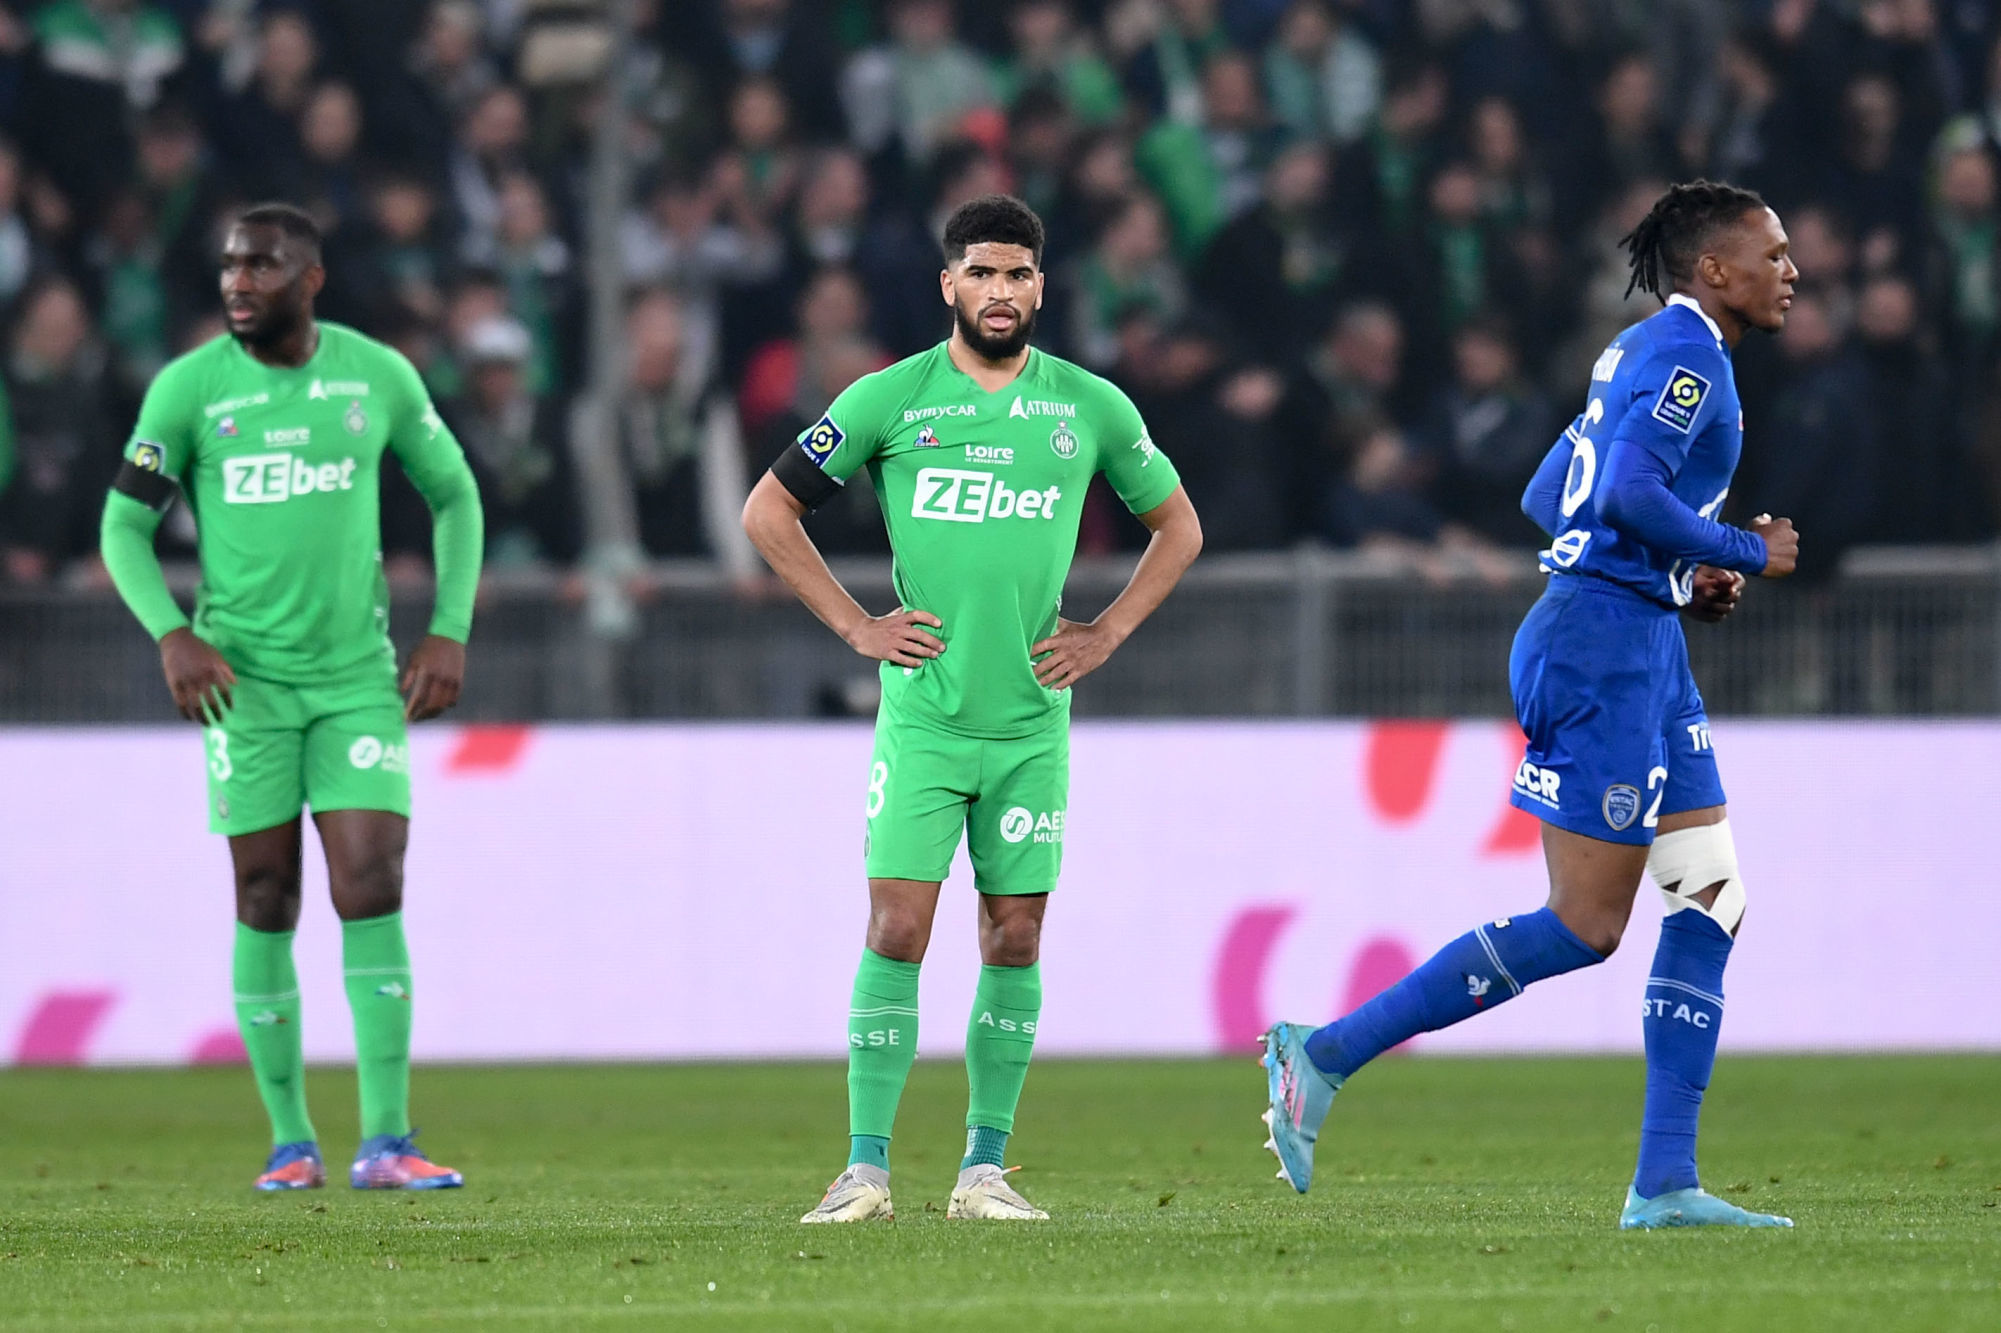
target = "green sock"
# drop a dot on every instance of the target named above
(376, 963)
(999, 1040)
(882, 1042)
(267, 1014)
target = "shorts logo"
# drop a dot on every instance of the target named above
(821, 439)
(1539, 784)
(365, 753)
(1064, 441)
(1681, 399)
(1621, 805)
(1019, 822)
(148, 456)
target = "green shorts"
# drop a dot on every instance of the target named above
(280, 748)
(925, 785)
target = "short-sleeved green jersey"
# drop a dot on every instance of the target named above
(282, 468)
(982, 493)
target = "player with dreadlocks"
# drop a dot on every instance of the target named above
(1619, 765)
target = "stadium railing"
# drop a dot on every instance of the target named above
(1899, 632)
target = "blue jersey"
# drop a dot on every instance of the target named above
(1664, 385)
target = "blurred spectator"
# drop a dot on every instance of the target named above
(1171, 44)
(828, 224)
(1379, 502)
(1925, 495)
(255, 126)
(1819, 458)
(1966, 229)
(1486, 431)
(1874, 175)
(182, 197)
(535, 265)
(17, 243)
(492, 141)
(1323, 74)
(1130, 268)
(784, 376)
(1209, 172)
(1626, 142)
(784, 39)
(394, 257)
(64, 444)
(901, 258)
(759, 168)
(1040, 134)
(667, 475)
(329, 184)
(1050, 55)
(96, 63)
(1403, 142)
(1273, 274)
(517, 443)
(916, 90)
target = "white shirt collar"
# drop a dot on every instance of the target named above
(1680, 298)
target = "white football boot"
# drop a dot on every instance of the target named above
(983, 1192)
(857, 1194)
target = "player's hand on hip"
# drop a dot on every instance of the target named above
(1782, 545)
(202, 683)
(1716, 593)
(899, 638)
(1074, 651)
(432, 678)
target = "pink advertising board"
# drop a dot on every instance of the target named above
(695, 892)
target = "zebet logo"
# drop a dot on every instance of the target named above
(1019, 823)
(262, 479)
(974, 497)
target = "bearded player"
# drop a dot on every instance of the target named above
(980, 451)
(1619, 767)
(275, 433)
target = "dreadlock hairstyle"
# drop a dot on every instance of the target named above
(1671, 237)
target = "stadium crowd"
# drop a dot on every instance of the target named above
(1352, 258)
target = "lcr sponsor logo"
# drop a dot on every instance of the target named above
(957, 496)
(1020, 823)
(1539, 784)
(272, 478)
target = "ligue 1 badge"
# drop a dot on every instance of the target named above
(1063, 441)
(356, 420)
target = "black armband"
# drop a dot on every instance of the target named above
(148, 486)
(803, 478)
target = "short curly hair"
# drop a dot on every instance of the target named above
(999, 219)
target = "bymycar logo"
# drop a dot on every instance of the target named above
(270, 478)
(911, 415)
(974, 497)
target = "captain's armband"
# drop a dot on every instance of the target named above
(803, 478)
(141, 477)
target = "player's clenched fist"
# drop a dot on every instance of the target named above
(200, 680)
(433, 678)
(1782, 545)
(898, 638)
(1714, 593)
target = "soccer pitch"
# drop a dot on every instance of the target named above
(1452, 1194)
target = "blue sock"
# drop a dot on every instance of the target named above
(1477, 971)
(984, 1144)
(1684, 1009)
(868, 1150)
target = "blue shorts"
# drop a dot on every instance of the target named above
(1617, 732)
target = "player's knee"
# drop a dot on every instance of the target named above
(1696, 870)
(267, 897)
(1601, 933)
(898, 932)
(1013, 941)
(371, 887)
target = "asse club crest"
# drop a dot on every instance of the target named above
(1063, 440)
(356, 420)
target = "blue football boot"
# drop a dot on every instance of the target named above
(1690, 1208)
(1300, 1095)
(294, 1166)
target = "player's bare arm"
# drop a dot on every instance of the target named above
(200, 680)
(1078, 648)
(771, 518)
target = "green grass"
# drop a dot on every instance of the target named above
(1452, 1194)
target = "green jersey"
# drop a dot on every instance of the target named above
(282, 468)
(982, 493)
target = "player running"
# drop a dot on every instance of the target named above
(274, 434)
(980, 451)
(1619, 766)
